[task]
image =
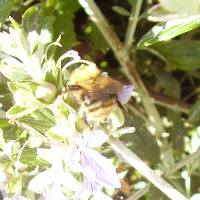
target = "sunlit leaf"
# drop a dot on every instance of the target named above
(17, 111)
(12, 68)
(64, 24)
(182, 6)
(167, 30)
(35, 19)
(29, 156)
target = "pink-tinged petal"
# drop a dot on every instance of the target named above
(85, 192)
(42, 180)
(98, 195)
(95, 138)
(125, 94)
(73, 158)
(99, 169)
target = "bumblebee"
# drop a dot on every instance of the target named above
(96, 93)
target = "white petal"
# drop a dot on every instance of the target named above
(95, 138)
(42, 180)
(45, 154)
(68, 181)
(72, 158)
(98, 195)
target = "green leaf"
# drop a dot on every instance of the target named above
(194, 114)
(15, 184)
(17, 111)
(167, 81)
(94, 36)
(63, 24)
(4, 123)
(29, 156)
(120, 10)
(183, 55)
(5, 8)
(177, 131)
(36, 19)
(13, 69)
(177, 6)
(141, 142)
(167, 30)
(157, 194)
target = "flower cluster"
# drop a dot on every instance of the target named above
(78, 171)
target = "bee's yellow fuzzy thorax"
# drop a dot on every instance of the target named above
(83, 73)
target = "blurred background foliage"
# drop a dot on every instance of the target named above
(169, 67)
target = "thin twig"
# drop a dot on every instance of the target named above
(122, 56)
(174, 169)
(133, 19)
(183, 162)
(144, 169)
(169, 102)
(138, 113)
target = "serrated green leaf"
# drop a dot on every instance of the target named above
(5, 8)
(29, 156)
(64, 24)
(168, 30)
(120, 10)
(183, 55)
(35, 19)
(194, 114)
(17, 111)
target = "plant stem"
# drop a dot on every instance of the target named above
(137, 195)
(123, 57)
(143, 168)
(133, 19)
(183, 162)
(169, 102)
(138, 113)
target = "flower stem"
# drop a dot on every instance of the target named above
(133, 20)
(145, 170)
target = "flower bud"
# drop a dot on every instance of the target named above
(46, 92)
